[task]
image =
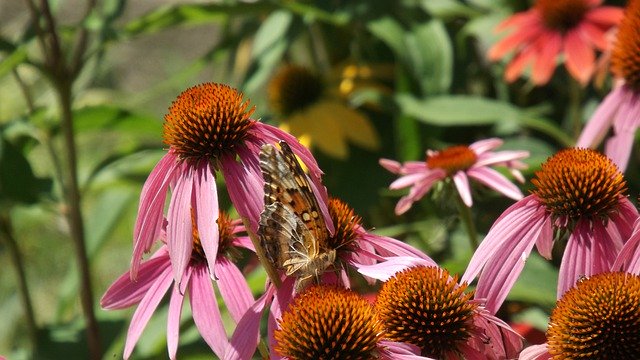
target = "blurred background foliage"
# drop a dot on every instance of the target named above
(410, 75)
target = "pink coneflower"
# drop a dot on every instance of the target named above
(458, 163)
(208, 128)
(425, 307)
(573, 28)
(328, 322)
(621, 108)
(155, 278)
(353, 246)
(597, 319)
(579, 192)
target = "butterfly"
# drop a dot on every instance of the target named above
(292, 230)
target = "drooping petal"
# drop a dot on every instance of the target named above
(535, 352)
(124, 292)
(502, 271)
(605, 15)
(246, 336)
(579, 56)
(522, 35)
(179, 228)
(461, 181)
(391, 350)
(545, 241)
(388, 247)
(601, 120)
(206, 313)
(206, 201)
(233, 288)
(391, 165)
(629, 257)
(152, 198)
(245, 186)
(520, 61)
(549, 46)
(625, 125)
(145, 309)
(385, 269)
(495, 181)
(482, 146)
(173, 321)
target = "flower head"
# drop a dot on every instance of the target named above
(620, 109)
(458, 163)
(573, 28)
(327, 322)
(155, 279)
(314, 112)
(426, 307)
(597, 319)
(208, 129)
(579, 193)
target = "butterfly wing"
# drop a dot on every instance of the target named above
(287, 183)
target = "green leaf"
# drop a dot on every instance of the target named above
(537, 283)
(434, 66)
(15, 58)
(18, 183)
(391, 33)
(457, 110)
(190, 14)
(448, 9)
(101, 117)
(272, 30)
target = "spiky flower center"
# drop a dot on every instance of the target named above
(225, 231)
(597, 319)
(327, 322)
(206, 121)
(452, 159)
(425, 307)
(562, 15)
(578, 184)
(625, 57)
(293, 88)
(345, 221)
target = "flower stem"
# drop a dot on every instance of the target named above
(6, 235)
(272, 273)
(465, 215)
(575, 106)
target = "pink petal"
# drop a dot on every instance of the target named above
(145, 309)
(485, 145)
(179, 229)
(629, 257)
(545, 241)
(495, 181)
(233, 288)
(500, 157)
(247, 334)
(579, 56)
(462, 184)
(124, 292)
(152, 199)
(548, 45)
(245, 186)
(206, 203)
(173, 321)
(206, 313)
(521, 19)
(389, 247)
(391, 165)
(390, 350)
(535, 352)
(407, 180)
(601, 119)
(386, 269)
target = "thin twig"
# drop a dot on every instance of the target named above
(6, 234)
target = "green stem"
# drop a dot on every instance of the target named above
(465, 215)
(575, 107)
(6, 234)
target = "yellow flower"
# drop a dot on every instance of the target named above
(317, 115)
